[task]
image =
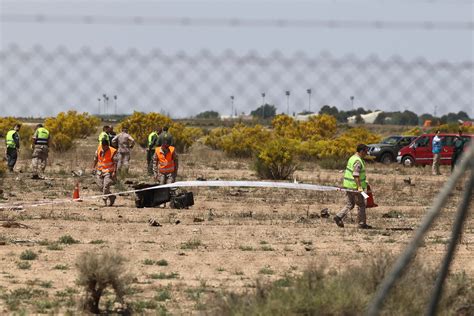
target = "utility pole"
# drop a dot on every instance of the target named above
(352, 101)
(115, 103)
(309, 100)
(287, 103)
(104, 96)
(98, 99)
(232, 106)
(263, 105)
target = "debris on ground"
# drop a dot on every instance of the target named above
(198, 219)
(77, 173)
(393, 214)
(201, 178)
(325, 213)
(400, 228)
(154, 222)
(313, 216)
(303, 220)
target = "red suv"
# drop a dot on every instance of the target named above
(419, 151)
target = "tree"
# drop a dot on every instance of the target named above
(331, 110)
(264, 111)
(208, 115)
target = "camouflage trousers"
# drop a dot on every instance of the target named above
(166, 178)
(353, 199)
(435, 166)
(40, 158)
(105, 181)
(123, 161)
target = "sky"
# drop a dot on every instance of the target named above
(452, 45)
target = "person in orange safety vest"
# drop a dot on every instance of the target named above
(105, 166)
(165, 164)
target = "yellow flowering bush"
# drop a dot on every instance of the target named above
(67, 126)
(140, 125)
(276, 159)
(244, 141)
(26, 131)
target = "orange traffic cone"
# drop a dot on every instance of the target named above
(75, 194)
(370, 200)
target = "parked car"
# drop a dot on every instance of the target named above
(419, 151)
(386, 151)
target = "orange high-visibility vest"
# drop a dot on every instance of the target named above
(165, 162)
(106, 163)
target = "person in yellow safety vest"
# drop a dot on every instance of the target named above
(355, 179)
(151, 146)
(41, 139)
(12, 142)
(104, 134)
(165, 164)
(105, 167)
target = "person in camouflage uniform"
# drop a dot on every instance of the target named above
(124, 143)
(40, 146)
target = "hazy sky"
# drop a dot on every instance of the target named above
(435, 45)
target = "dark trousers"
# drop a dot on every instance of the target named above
(149, 160)
(454, 159)
(12, 155)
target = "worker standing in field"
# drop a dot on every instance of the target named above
(104, 134)
(459, 143)
(151, 146)
(355, 179)
(124, 143)
(105, 166)
(111, 134)
(436, 150)
(12, 142)
(165, 163)
(41, 139)
(165, 136)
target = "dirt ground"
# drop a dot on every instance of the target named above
(245, 234)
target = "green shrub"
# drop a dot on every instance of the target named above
(28, 255)
(68, 240)
(99, 271)
(24, 265)
(319, 291)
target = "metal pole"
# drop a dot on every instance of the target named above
(405, 258)
(99, 105)
(263, 105)
(309, 100)
(287, 103)
(115, 103)
(232, 103)
(461, 215)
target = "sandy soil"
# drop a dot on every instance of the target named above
(243, 232)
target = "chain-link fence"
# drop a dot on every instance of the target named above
(39, 82)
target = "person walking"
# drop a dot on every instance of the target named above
(12, 142)
(123, 142)
(459, 143)
(150, 151)
(165, 164)
(436, 150)
(165, 137)
(104, 167)
(355, 179)
(104, 134)
(40, 145)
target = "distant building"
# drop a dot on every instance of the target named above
(368, 118)
(304, 117)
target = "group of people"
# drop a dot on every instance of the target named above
(40, 145)
(113, 154)
(356, 182)
(436, 147)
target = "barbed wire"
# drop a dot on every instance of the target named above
(236, 22)
(37, 82)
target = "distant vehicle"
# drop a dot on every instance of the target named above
(419, 151)
(386, 151)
